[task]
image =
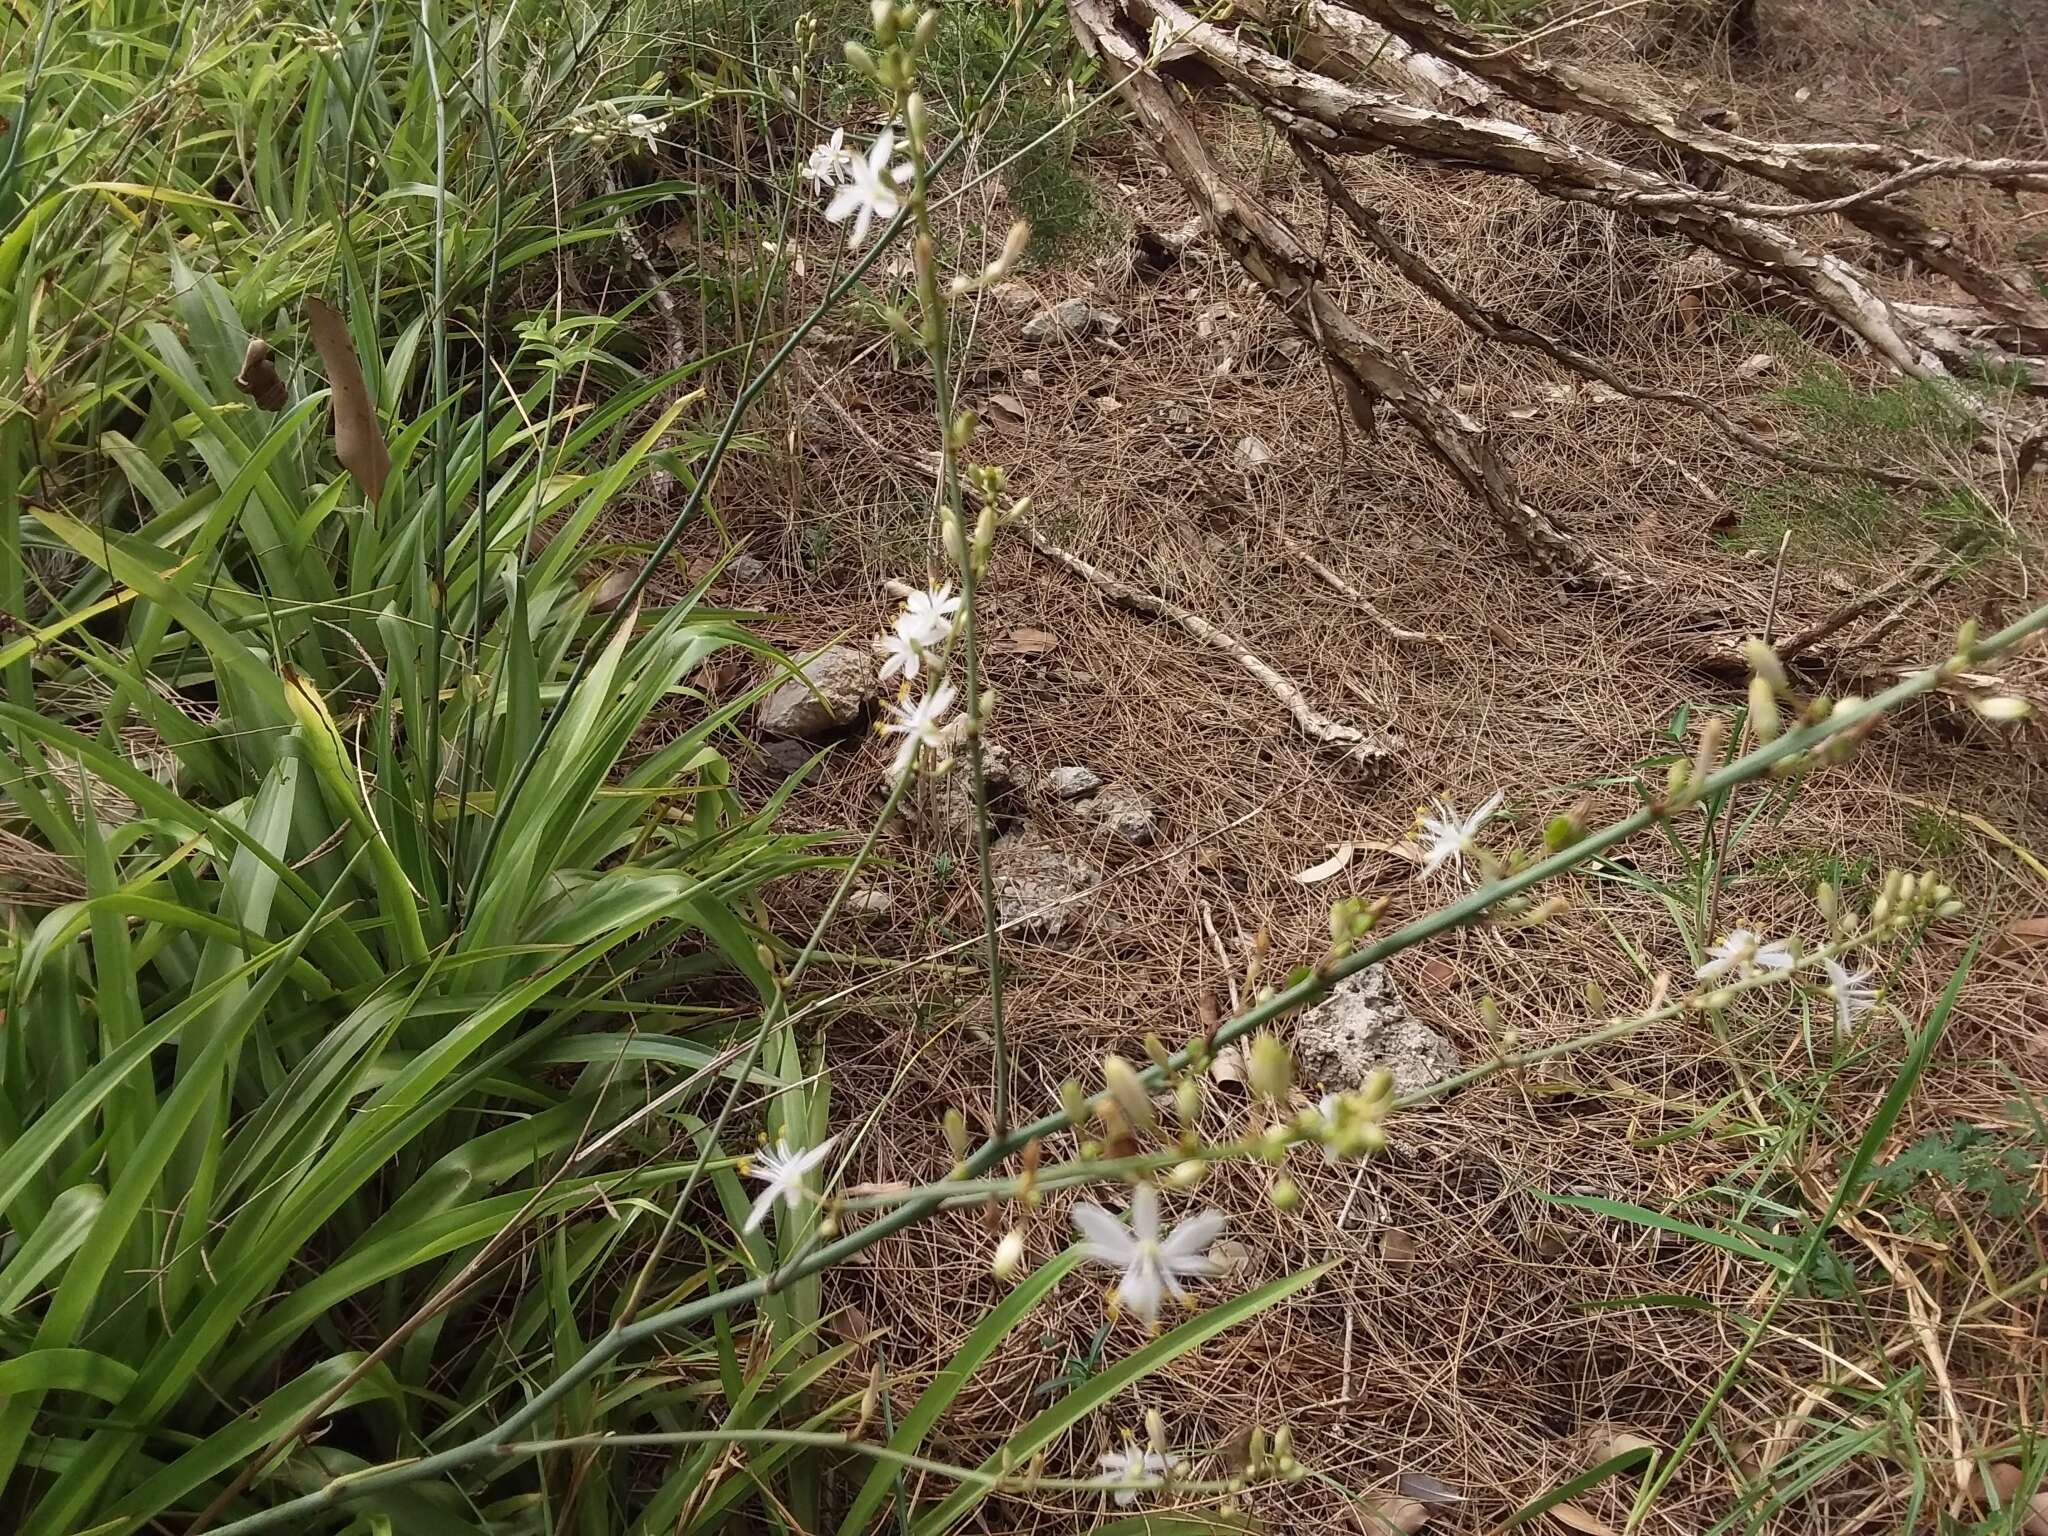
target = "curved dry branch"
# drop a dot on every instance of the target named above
(1815, 171)
(1338, 115)
(1496, 326)
(1364, 367)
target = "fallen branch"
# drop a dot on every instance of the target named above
(1337, 115)
(1496, 326)
(1351, 594)
(1814, 171)
(1366, 369)
(1935, 569)
(1348, 741)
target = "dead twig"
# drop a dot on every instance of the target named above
(1363, 748)
(1926, 576)
(1495, 326)
(1351, 594)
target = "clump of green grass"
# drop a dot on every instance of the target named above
(1900, 415)
(1935, 836)
(1824, 517)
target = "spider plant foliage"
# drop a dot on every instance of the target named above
(374, 874)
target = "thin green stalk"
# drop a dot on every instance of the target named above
(715, 456)
(1284, 1001)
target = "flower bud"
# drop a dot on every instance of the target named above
(883, 14)
(914, 119)
(859, 60)
(870, 1400)
(1284, 1194)
(1270, 1068)
(1595, 995)
(1763, 711)
(1707, 756)
(2001, 708)
(1009, 1255)
(1155, 1432)
(1121, 1079)
(984, 532)
(1073, 1104)
(927, 28)
(1187, 1173)
(956, 1133)
(1677, 780)
(1764, 663)
(1187, 1102)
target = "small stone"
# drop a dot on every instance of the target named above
(1036, 883)
(747, 570)
(1123, 811)
(843, 677)
(1070, 318)
(1253, 452)
(1363, 1025)
(869, 903)
(947, 803)
(1072, 782)
(786, 756)
(1013, 298)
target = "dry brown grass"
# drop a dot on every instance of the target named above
(1458, 1334)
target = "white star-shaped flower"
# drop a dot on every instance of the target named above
(901, 657)
(1131, 1465)
(784, 1170)
(828, 162)
(1153, 1262)
(644, 128)
(1853, 994)
(927, 617)
(1450, 839)
(1742, 953)
(918, 724)
(869, 192)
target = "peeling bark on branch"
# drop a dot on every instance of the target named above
(1368, 371)
(1361, 747)
(1814, 171)
(1496, 326)
(1340, 116)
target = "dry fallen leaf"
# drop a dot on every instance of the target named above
(1005, 410)
(1340, 857)
(1397, 1247)
(612, 590)
(1436, 974)
(358, 442)
(2007, 1479)
(1431, 1490)
(1031, 642)
(1385, 1512)
(2024, 934)
(1754, 364)
(1577, 1519)
(1227, 1066)
(1407, 849)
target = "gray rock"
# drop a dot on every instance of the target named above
(786, 756)
(844, 679)
(1072, 782)
(1034, 882)
(946, 804)
(1123, 811)
(1364, 1024)
(1070, 318)
(869, 903)
(746, 570)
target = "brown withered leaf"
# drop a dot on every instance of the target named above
(2023, 934)
(1030, 642)
(1436, 974)
(358, 441)
(1389, 1512)
(258, 378)
(2007, 1478)
(1574, 1518)
(612, 590)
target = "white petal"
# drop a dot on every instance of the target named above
(845, 201)
(1142, 1289)
(861, 223)
(763, 1204)
(880, 151)
(1145, 1213)
(904, 174)
(1191, 1239)
(1108, 1240)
